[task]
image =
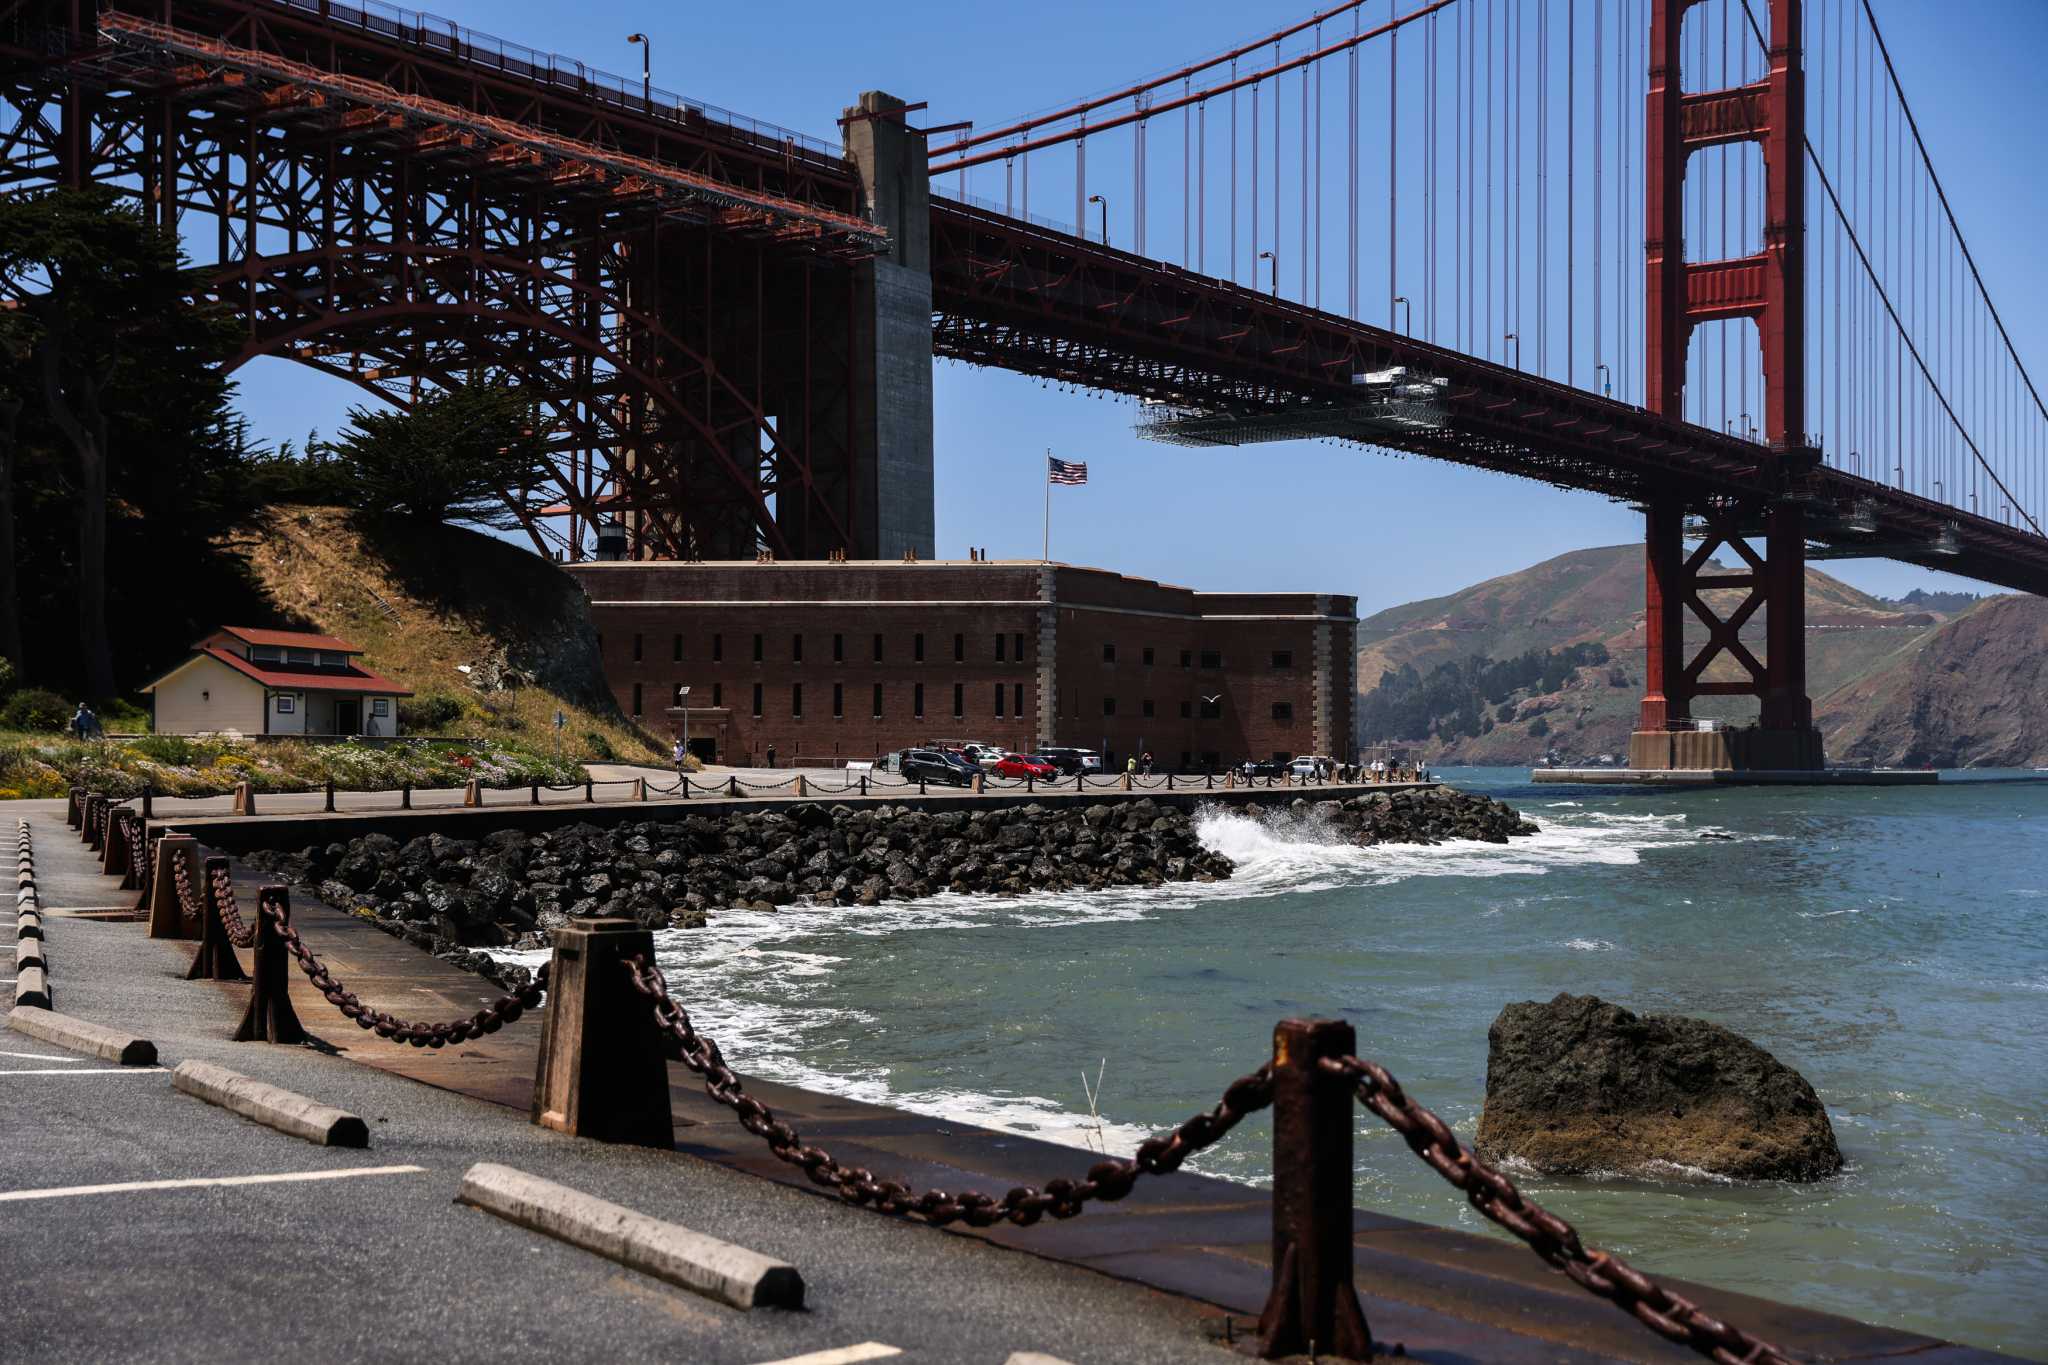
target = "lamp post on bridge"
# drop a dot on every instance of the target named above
(646, 67)
(1515, 337)
(1407, 314)
(1098, 199)
(1606, 385)
(1269, 256)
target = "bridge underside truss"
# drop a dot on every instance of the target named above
(686, 342)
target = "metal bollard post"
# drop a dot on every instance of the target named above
(166, 917)
(920, 787)
(215, 960)
(148, 800)
(1077, 781)
(270, 1017)
(732, 786)
(533, 790)
(329, 787)
(684, 787)
(863, 784)
(603, 1070)
(405, 796)
(589, 791)
(1312, 1306)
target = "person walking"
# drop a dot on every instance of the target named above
(678, 756)
(77, 724)
(1148, 763)
(1130, 767)
(771, 755)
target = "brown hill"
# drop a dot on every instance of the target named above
(1972, 694)
(1596, 596)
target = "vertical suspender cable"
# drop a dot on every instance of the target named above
(1351, 183)
(1571, 197)
(1542, 185)
(1599, 155)
(1393, 171)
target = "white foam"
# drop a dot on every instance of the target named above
(1589, 945)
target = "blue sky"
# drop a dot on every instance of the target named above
(1296, 516)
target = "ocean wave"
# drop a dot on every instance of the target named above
(1589, 945)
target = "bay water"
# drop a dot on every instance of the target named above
(1891, 944)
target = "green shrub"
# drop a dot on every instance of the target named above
(10, 677)
(1538, 728)
(35, 708)
(120, 714)
(169, 750)
(429, 713)
(600, 748)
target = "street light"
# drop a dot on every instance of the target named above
(1269, 256)
(1517, 339)
(1407, 318)
(1098, 199)
(683, 703)
(646, 67)
(1607, 386)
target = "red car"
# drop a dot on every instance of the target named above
(1020, 766)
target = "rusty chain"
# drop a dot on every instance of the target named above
(1023, 1206)
(504, 1010)
(1556, 1241)
(240, 933)
(189, 904)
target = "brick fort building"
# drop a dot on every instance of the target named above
(832, 661)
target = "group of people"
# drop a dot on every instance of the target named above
(1381, 770)
(1139, 765)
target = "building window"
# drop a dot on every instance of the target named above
(266, 654)
(917, 647)
(917, 701)
(718, 694)
(636, 647)
(1109, 654)
(757, 701)
(1283, 710)
(796, 649)
(287, 705)
(999, 647)
(999, 696)
(636, 699)
(796, 700)
(1283, 658)
(717, 648)
(1109, 706)
(1019, 637)
(1187, 709)
(878, 647)
(1145, 708)
(757, 647)
(1212, 658)
(838, 649)
(380, 706)
(1019, 696)
(675, 654)
(878, 701)
(1148, 656)
(959, 648)
(1187, 659)
(959, 700)
(838, 699)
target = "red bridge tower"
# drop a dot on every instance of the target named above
(1770, 289)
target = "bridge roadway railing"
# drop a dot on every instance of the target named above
(612, 1026)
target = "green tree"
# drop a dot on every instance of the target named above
(98, 306)
(465, 455)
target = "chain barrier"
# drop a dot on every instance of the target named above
(504, 1010)
(1023, 1206)
(240, 933)
(1550, 1237)
(190, 906)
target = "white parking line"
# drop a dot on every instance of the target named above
(133, 1186)
(38, 1056)
(81, 1070)
(841, 1355)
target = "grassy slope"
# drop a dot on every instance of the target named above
(423, 600)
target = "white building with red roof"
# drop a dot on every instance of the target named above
(250, 681)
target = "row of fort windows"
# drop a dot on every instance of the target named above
(1007, 648)
(1211, 708)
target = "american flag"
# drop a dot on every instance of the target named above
(1062, 471)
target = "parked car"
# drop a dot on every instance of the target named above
(935, 765)
(1020, 766)
(1268, 767)
(1070, 761)
(1304, 765)
(986, 755)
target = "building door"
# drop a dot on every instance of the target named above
(348, 716)
(704, 748)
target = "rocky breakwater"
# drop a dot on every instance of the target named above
(1579, 1086)
(1431, 815)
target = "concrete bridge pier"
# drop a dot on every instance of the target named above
(892, 338)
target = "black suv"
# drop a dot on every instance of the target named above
(930, 765)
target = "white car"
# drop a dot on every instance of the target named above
(1304, 765)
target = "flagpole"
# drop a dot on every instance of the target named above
(1045, 555)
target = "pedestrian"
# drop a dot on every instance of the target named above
(93, 728)
(77, 723)
(677, 755)
(1148, 763)
(1130, 767)
(771, 755)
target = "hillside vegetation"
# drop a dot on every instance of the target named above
(1427, 654)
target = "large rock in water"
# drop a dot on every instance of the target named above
(1579, 1086)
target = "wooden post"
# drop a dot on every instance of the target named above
(270, 1017)
(1127, 779)
(166, 917)
(639, 789)
(802, 788)
(603, 1070)
(978, 784)
(88, 817)
(148, 802)
(74, 806)
(215, 960)
(245, 799)
(1312, 1306)
(472, 793)
(114, 848)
